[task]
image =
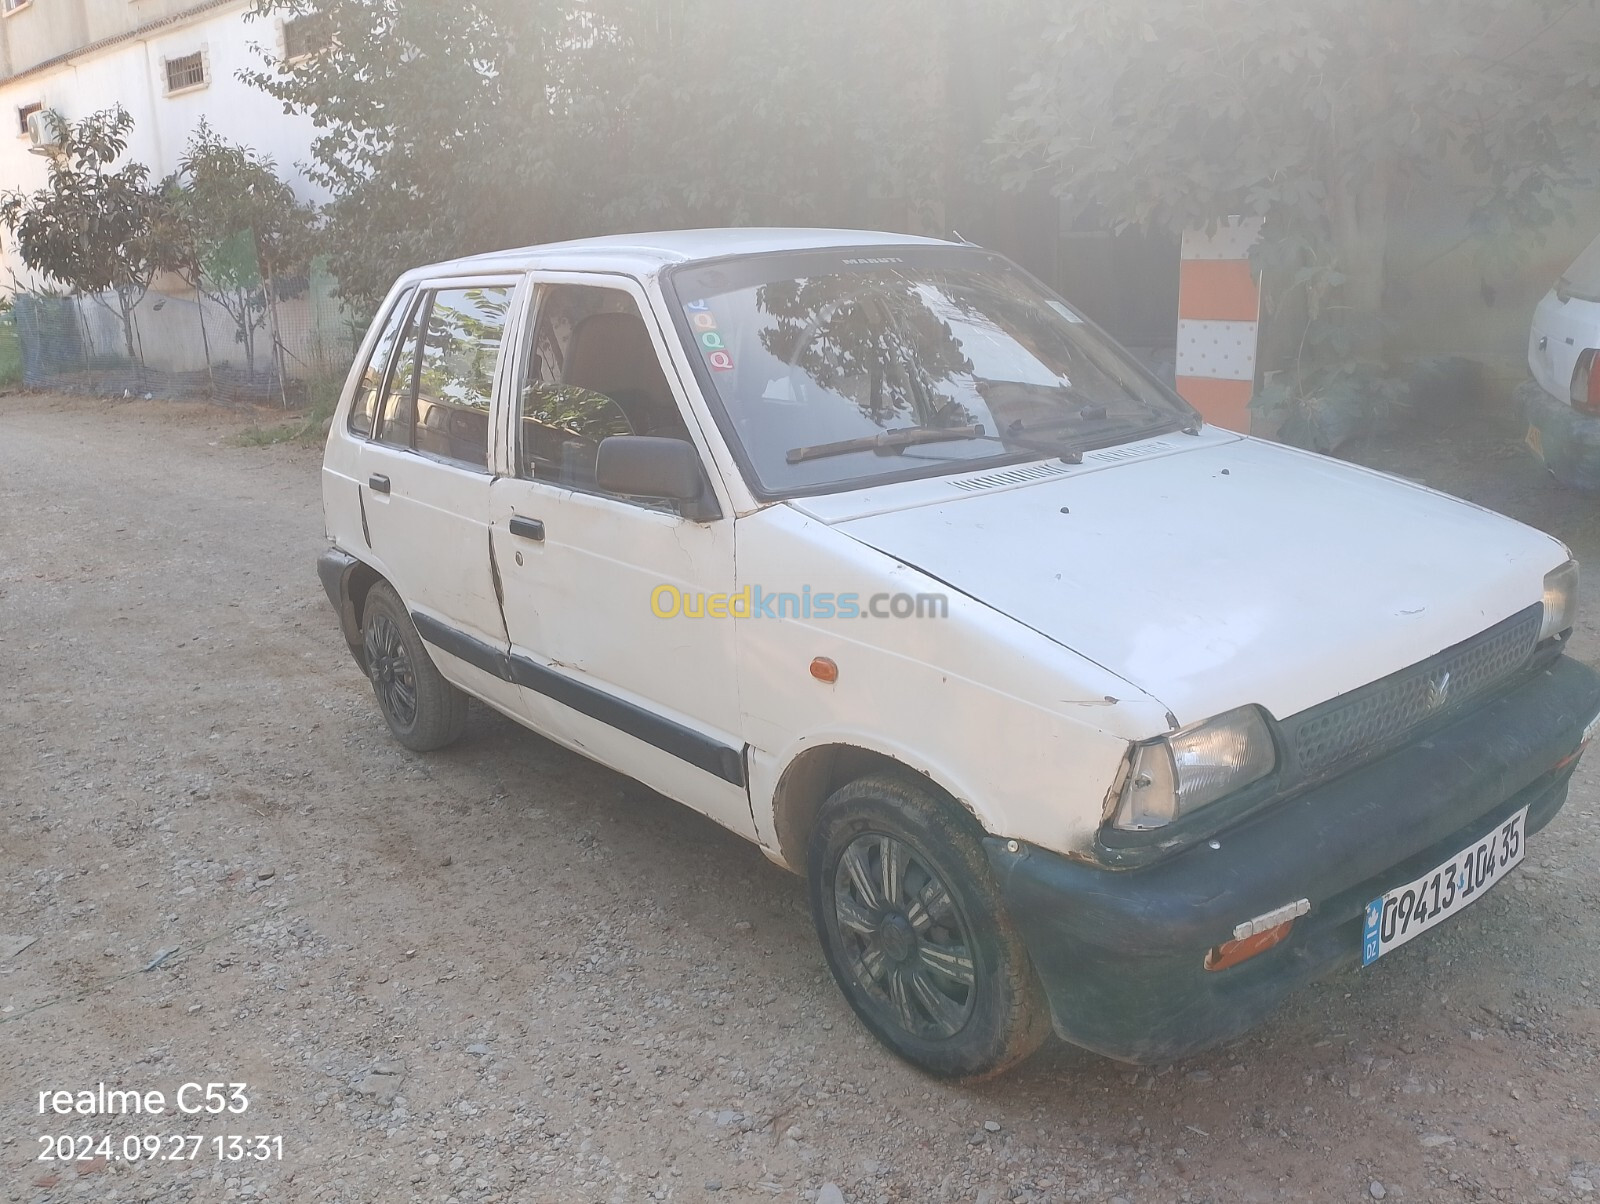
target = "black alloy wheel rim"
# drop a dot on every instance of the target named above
(390, 666)
(904, 940)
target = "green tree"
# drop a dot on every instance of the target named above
(248, 241)
(453, 129)
(433, 130)
(1317, 117)
(92, 229)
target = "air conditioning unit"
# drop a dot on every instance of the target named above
(42, 138)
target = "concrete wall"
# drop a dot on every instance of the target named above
(316, 335)
(47, 29)
(133, 74)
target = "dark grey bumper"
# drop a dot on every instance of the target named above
(334, 569)
(1121, 952)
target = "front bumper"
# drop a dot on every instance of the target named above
(1120, 952)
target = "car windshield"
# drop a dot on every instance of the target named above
(843, 368)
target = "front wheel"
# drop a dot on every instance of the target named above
(916, 933)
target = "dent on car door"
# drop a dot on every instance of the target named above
(426, 494)
(652, 697)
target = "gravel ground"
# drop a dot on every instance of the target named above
(501, 973)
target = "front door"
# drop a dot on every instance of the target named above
(584, 571)
(425, 479)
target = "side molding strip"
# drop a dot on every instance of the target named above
(697, 749)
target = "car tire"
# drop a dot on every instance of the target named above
(916, 933)
(422, 709)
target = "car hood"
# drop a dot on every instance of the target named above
(1237, 572)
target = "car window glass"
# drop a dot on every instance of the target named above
(591, 372)
(364, 409)
(396, 409)
(455, 377)
(819, 361)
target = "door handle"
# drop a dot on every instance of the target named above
(378, 483)
(528, 528)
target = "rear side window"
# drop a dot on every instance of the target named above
(364, 409)
(455, 377)
(398, 404)
(439, 391)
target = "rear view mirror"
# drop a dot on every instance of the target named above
(651, 467)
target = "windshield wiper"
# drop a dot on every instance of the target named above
(886, 442)
(1071, 449)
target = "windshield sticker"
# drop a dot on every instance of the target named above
(708, 336)
(1066, 313)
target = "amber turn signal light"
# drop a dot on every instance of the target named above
(1233, 952)
(824, 670)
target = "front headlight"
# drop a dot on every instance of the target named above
(1177, 774)
(1560, 600)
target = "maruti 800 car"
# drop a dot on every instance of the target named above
(1074, 711)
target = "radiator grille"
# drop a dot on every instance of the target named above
(1377, 717)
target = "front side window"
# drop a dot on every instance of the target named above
(592, 372)
(438, 394)
(841, 368)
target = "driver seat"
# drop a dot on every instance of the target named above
(611, 353)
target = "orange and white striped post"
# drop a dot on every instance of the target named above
(1219, 317)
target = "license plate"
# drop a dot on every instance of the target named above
(1412, 909)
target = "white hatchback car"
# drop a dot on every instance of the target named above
(1072, 709)
(1562, 399)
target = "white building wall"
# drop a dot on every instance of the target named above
(133, 74)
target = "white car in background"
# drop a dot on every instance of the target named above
(1073, 711)
(1562, 402)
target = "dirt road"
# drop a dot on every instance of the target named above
(502, 973)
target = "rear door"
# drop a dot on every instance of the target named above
(425, 476)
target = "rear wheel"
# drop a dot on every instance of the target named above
(916, 933)
(422, 709)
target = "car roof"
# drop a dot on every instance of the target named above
(645, 254)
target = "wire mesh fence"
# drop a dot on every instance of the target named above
(241, 342)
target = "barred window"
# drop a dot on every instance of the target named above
(186, 72)
(306, 36)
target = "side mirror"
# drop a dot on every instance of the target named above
(651, 467)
